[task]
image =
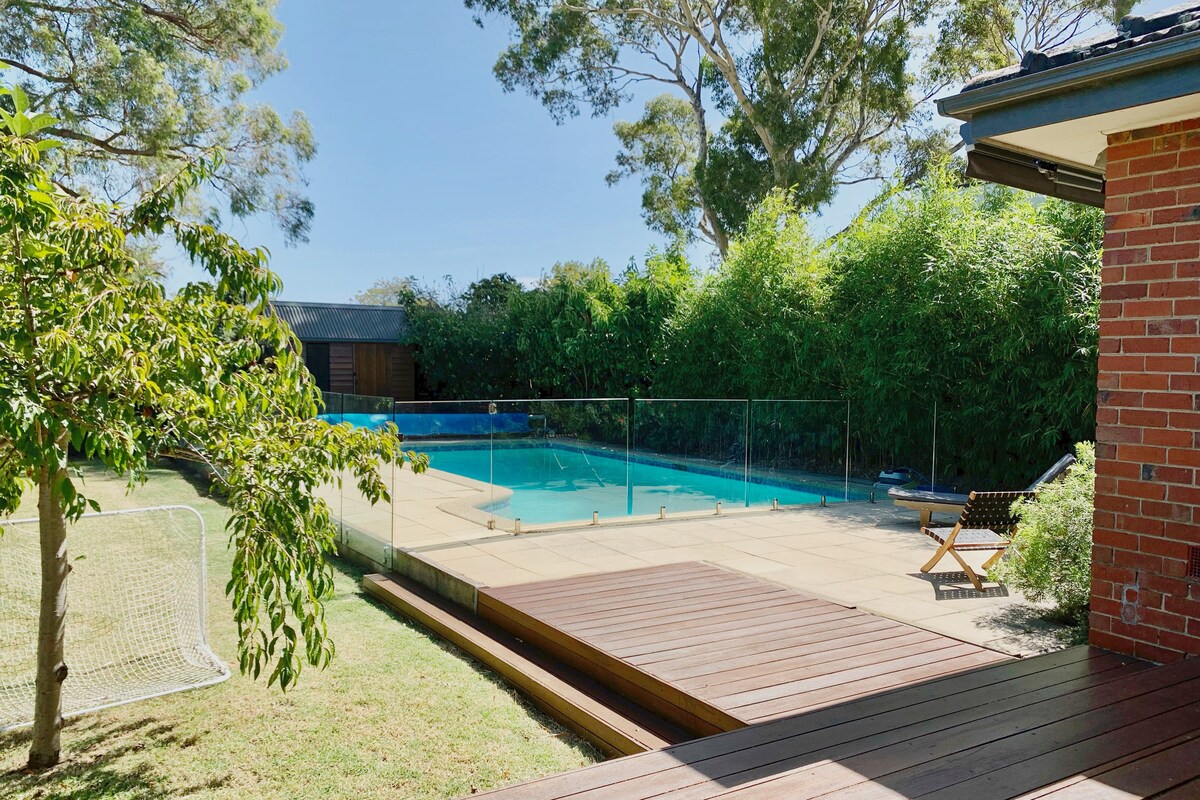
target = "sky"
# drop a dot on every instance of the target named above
(426, 167)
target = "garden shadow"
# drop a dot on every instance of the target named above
(957, 586)
(99, 761)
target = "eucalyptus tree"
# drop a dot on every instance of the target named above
(811, 90)
(141, 86)
(990, 34)
(661, 149)
(96, 360)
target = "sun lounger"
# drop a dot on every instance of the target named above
(928, 502)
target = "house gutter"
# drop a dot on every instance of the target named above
(1106, 68)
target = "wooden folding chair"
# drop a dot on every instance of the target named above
(987, 523)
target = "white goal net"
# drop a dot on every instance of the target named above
(135, 611)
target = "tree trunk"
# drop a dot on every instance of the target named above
(719, 237)
(51, 669)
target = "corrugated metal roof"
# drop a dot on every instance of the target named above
(342, 322)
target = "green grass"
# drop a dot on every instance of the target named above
(398, 714)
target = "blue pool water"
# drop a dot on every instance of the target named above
(560, 484)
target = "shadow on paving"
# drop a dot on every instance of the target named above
(957, 586)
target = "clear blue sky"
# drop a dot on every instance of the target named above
(426, 167)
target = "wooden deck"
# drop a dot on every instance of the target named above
(712, 650)
(1081, 723)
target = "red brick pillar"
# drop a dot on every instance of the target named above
(1146, 553)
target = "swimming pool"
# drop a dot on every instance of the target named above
(563, 483)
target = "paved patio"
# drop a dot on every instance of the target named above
(861, 555)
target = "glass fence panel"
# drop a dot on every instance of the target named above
(896, 451)
(799, 453)
(331, 493)
(365, 527)
(558, 461)
(457, 438)
(332, 407)
(688, 455)
(365, 411)
(528, 465)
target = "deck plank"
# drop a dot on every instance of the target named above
(824, 701)
(771, 748)
(729, 649)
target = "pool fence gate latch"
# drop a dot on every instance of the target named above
(517, 525)
(774, 503)
(662, 512)
(595, 517)
(718, 508)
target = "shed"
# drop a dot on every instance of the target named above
(353, 348)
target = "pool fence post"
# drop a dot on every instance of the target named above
(824, 504)
(630, 408)
(595, 517)
(774, 503)
(517, 525)
(718, 508)
(747, 451)
(662, 512)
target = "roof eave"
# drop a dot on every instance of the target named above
(1147, 57)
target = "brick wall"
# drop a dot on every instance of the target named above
(1148, 411)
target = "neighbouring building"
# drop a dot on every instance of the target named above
(1115, 122)
(353, 348)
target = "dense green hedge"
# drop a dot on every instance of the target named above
(980, 301)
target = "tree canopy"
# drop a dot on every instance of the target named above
(812, 91)
(98, 361)
(140, 87)
(809, 95)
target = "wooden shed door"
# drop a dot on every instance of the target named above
(371, 369)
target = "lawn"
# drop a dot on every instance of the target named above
(398, 714)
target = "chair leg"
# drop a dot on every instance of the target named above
(931, 563)
(991, 562)
(971, 576)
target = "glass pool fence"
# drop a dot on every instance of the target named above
(529, 465)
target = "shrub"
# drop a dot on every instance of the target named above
(981, 301)
(1051, 553)
(754, 328)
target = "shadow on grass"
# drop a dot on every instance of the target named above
(353, 571)
(100, 762)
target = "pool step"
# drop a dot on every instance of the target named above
(610, 722)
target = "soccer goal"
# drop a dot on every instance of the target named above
(135, 611)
